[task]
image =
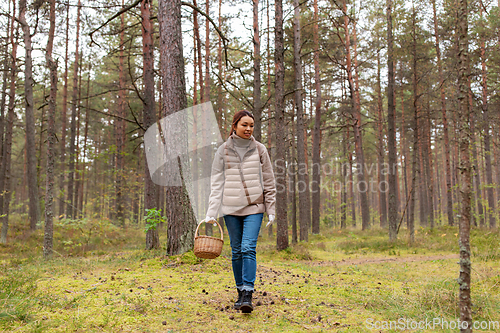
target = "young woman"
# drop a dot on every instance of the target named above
(242, 189)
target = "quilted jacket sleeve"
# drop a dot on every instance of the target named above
(268, 181)
(216, 184)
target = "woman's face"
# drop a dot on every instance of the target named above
(244, 128)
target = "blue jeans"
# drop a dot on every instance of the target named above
(243, 232)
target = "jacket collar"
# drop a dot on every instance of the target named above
(230, 142)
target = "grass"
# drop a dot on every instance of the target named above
(341, 281)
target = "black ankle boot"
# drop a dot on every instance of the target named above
(246, 302)
(237, 304)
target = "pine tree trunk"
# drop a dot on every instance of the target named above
(352, 194)
(279, 158)
(475, 163)
(78, 175)
(404, 149)
(343, 204)
(422, 188)
(34, 202)
(446, 148)
(487, 146)
(180, 215)
(380, 120)
(220, 97)
(85, 137)
(51, 137)
(5, 69)
(464, 279)
(120, 131)
(64, 111)
(39, 156)
(416, 140)
(362, 184)
(292, 180)
(198, 47)
(195, 162)
(304, 212)
(206, 93)
(5, 174)
(70, 211)
(3, 120)
(149, 114)
(257, 104)
(316, 155)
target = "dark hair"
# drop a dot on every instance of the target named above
(236, 118)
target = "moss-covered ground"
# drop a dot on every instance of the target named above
(340, 281)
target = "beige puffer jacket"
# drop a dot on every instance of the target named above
(242, 186)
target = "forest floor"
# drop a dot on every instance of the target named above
(340, 281)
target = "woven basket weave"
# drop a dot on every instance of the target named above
(207, 247)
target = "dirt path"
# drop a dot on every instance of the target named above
(363, 261)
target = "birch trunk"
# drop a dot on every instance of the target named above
(51, 137)
(464, 169)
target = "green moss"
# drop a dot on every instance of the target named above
(333, 283)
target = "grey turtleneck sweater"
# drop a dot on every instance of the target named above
(241, 145)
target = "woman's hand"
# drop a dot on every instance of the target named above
(271, 220)
(208, 219)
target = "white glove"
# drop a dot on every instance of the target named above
(207, 219)
(271, 220)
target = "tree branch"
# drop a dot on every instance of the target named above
(224, 39)
(123, 10)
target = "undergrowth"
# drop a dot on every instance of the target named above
(104, 281)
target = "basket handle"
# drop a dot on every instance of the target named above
(203, 221)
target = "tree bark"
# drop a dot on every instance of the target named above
(352, 194)
(428, 168)
(72, 151)
(391, 130)
(180, 215)
(316, 158)
(404, 149)
(304, 211)
(3, 120)
(268, 63)
(64, 111)
(475, 162)
(345, 159)
(206, 93)
(76, 199)
(51, 137)
(83, 165)
(257, 104)
(487, 145)
(360, 159)
(464, 168)
(149, 114)
(292, 182)
(5, 176)
(416, 139)
(34, 202)
(198, 47)
(120, 131)
(279, 158)
(381, 177)
(446, 148)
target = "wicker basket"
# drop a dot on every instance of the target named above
(207, 247)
